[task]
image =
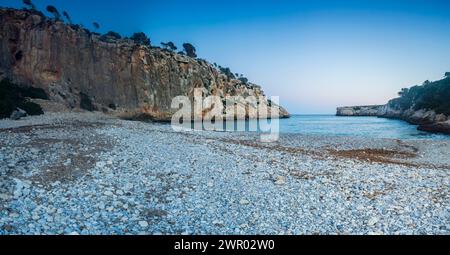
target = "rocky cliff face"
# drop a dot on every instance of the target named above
(76, 67)
(427, 120)
(371, 110)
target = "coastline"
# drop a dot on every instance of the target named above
(90, 173)
(426, 120)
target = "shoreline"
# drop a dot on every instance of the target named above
(90, 173)
(428, 128)
(425, 120)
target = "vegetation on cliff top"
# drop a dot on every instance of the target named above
(430, 96)
(29, 4)
(141, 38)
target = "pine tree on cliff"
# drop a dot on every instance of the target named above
(243, 80)
(447, 75)
(111, 35)
(190, 50)
(29, 4)
(403, 92)
(66, 15)
(96, 25)
(170, 46)
(141, 38)
(52, 9)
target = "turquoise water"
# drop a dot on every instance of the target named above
(371, 127)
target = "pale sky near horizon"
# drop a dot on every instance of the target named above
(315, 55)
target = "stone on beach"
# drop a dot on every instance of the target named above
(280, 180)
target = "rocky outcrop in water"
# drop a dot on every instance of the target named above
(371, 110)
(427, 120)
(80, 69)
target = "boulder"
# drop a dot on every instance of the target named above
(18, 114)
(441, 118)
(421, 116)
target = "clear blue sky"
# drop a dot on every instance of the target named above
(315, 55)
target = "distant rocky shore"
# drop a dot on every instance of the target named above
(427, 120)
(368, 110)
(427, 106)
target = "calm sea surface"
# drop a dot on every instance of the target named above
(372, 127)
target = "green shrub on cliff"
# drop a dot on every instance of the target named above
(430, 96)
(96, 25)
(141, 38)
(243, 80)
(52, 9)
(190, 50)
(227, 72)
(111, 36)
(67, 16)
(169, 46)
(29, 4)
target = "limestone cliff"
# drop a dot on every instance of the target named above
(73, 65)
(370, 110)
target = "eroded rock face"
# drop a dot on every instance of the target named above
(131, 80)
(17, 114)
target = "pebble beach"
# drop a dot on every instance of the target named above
(89, 173)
